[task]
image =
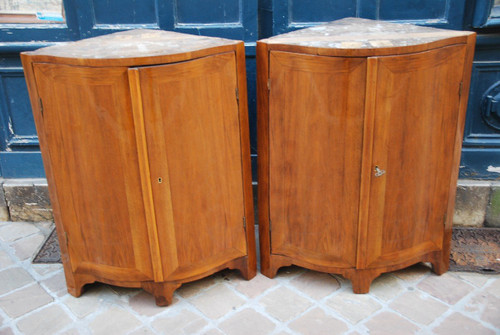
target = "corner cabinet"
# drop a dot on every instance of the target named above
(144, 137)
(360, 126)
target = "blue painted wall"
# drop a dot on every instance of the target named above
(246, 20)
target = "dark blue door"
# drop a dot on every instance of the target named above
(246, 20)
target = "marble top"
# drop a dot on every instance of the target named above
(356, 33)
(133, 44)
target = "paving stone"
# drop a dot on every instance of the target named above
(122, 292)
(56, 284)
(353, 307)
(413, 273)
(386, 287)
(253, 288)
(27, 247)
(317, 285)
(460, 324)
(87, 303)
(439, 287)
(179, 322)
(193, 288)
(142, 331)
(247, 322)
(494, 288)
(213, 331)
(416, 307)
(217, 301)
(13, 278)
(491, 312)
(288, 272)
(48, 320)
(45, 227)
(492, 218)
(14, 231)
(390, 323)
(144, 304)
(317, 322)
(5, 260)
(475, 279)
(114, 320)
(72, 331)
(28, 202)
(6, 331)
(46, 269)
(284, 304)
(471, 202)
(24, 300)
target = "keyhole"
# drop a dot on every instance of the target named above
(160, 180)
(379, 172)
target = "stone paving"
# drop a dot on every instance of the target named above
(33, 300)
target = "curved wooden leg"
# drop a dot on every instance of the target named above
(274, 264)
(361, 279)
(245, 266)
(76, 284)
(439, 266)
(163, 292)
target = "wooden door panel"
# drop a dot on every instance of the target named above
(416, 110)
(191, 120)
(93, 155)
(315, 129)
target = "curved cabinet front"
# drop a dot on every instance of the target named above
(360, 128)
(146, 150)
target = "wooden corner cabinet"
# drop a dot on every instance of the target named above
(360, 128)
(144, 138)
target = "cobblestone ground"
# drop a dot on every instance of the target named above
(33, 300)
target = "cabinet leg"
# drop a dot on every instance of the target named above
(440, 266)
(361, 279)
(274, 263)
(163, 292)
(246, 266)
(77, 282)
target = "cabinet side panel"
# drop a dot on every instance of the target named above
(315, 134)
(414, 137)
(192, 129)
(89, 130)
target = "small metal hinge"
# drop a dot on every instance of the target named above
(245, 223)
(41, 106)
(268, 84)
(237, 91)
(460, 89)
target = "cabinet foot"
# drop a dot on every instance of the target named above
(76, 284)
(439, 267)
(245, 266)
(163, 292)
(273, 265)
(361, 279)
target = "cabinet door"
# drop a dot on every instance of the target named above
(316, 107)
(89, 130)
(191, 122)
(415, 121)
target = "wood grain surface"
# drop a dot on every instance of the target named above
(315, 127)
(148, 166)
(359, 150)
